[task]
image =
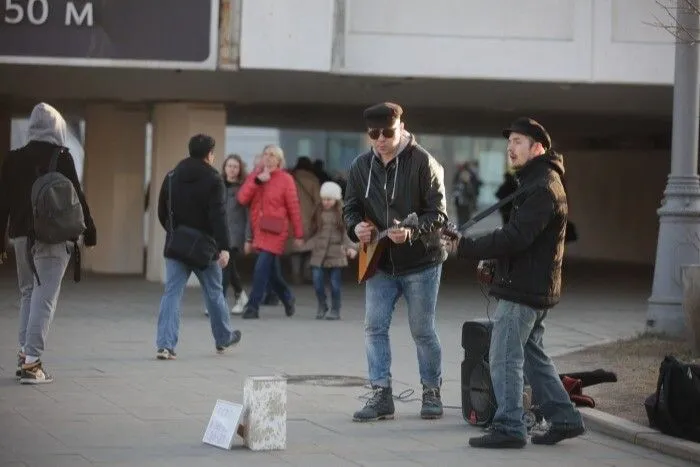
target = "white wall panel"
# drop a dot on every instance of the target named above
(626, 49)
(550, 40)
(287, 34)
(584, 41)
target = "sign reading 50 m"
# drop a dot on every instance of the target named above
(174, 34)
(37, 12)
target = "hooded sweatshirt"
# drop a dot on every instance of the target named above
(529, 249)
(412, 182)
(47, 134)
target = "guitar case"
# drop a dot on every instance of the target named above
(478, 400)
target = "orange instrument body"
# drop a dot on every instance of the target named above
(368, 259)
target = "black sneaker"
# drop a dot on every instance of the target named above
(235, 339)
(497, 440)
(333, 315)
(557, 434)
(249, 313)
(432, 404)
(321, 310)
(290, 308)
(33, 373)
(166, 354)
(379, 407)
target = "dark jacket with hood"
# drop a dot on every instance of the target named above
(411, 182)
(21, 168)
(198, 200)
(529, 249)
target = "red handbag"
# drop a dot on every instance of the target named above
(271, 224)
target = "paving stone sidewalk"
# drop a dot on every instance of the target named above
(113, 404)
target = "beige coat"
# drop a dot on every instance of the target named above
(308, 191)
(329, 244)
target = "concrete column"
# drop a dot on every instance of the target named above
(679, 232)
(173, 126)
(5, 132)
(115, 160)
(5, 138)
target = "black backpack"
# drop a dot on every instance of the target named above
(674, 409)
(57, 214)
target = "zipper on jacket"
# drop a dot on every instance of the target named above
(388, 225)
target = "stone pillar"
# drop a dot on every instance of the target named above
(5, 139)
(5, 132)
(679, 231)
(173, 125)
(691, 303)
(115, 161)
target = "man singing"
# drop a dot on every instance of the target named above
(527, 283)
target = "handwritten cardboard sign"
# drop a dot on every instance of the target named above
(223, 424)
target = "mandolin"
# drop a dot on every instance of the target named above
(368, 259)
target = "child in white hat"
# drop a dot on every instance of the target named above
(330, 247)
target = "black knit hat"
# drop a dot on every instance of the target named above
(382, 115)
(529, 127)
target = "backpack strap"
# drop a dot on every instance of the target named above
(53, 164)
(76, 261)
(171, 214)
(30, 258)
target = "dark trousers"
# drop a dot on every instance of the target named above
(230, 275)
(268, 272)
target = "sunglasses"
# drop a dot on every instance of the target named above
(386, 132)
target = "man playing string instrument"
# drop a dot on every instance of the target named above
(393, 179)
(527, 284)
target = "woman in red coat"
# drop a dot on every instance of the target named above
(271, 195)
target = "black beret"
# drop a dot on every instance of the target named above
(382, 115)
(529, 127)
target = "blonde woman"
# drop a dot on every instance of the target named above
(271, 195)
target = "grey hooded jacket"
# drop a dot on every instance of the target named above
(47, 133)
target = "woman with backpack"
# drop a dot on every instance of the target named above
(41, 170)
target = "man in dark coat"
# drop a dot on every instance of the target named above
(197, 199)
(529, 250)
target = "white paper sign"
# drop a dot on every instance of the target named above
(223, 424)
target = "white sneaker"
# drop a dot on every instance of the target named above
(240, 304)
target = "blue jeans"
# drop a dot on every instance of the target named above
(268, 275)
(516, 351)
(420, 290)
(319, 278)
(176, 276)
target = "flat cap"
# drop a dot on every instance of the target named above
(382, 115)
(529, 127)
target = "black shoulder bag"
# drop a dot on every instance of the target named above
(186, 244)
